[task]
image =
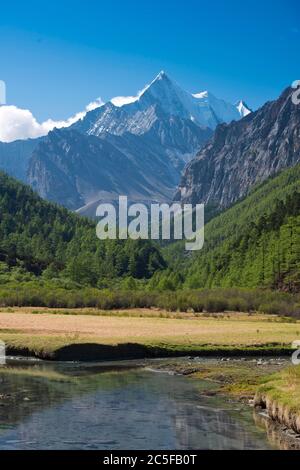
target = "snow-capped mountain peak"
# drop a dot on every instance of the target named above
(161, 97)
(162, 75)
(120, 101)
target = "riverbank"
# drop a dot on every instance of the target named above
(280, 397)
(234, 377)
(269, 385)
(91, 334)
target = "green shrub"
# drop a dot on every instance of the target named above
(53, 294)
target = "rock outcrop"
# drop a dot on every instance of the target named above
(243, 154)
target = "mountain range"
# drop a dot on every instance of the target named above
(162, 139)
(247, 168)
(134, 146)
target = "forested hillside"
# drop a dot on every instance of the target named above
(256, 242)
(42, 239)
(52, 257)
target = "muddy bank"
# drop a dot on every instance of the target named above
(279, 397)
(279, 435)
(98, 352)
(278, 412)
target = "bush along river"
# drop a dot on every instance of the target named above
(126, 405)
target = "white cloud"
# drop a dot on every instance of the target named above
(120, 101)
(16, 123)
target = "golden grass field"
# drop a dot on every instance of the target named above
(46, 329)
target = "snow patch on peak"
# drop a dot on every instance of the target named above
(243, 109)
(201, 95)
(162, 74)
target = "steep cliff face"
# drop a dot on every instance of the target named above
(244, 153)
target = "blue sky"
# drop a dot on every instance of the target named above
(58, 56)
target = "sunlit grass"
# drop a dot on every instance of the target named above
(43, 332)
(284, 388)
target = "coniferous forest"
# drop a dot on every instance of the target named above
(51, 256)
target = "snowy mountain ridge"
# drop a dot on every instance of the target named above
(137, 113)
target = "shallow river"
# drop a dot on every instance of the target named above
(98, 406)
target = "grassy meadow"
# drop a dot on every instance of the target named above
(149, 332)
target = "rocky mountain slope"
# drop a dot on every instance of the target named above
(77, 170)
(244, 153)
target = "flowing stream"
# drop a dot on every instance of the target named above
(117, 406)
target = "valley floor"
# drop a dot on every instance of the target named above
(91, 334)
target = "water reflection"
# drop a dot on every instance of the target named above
(66, 406)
